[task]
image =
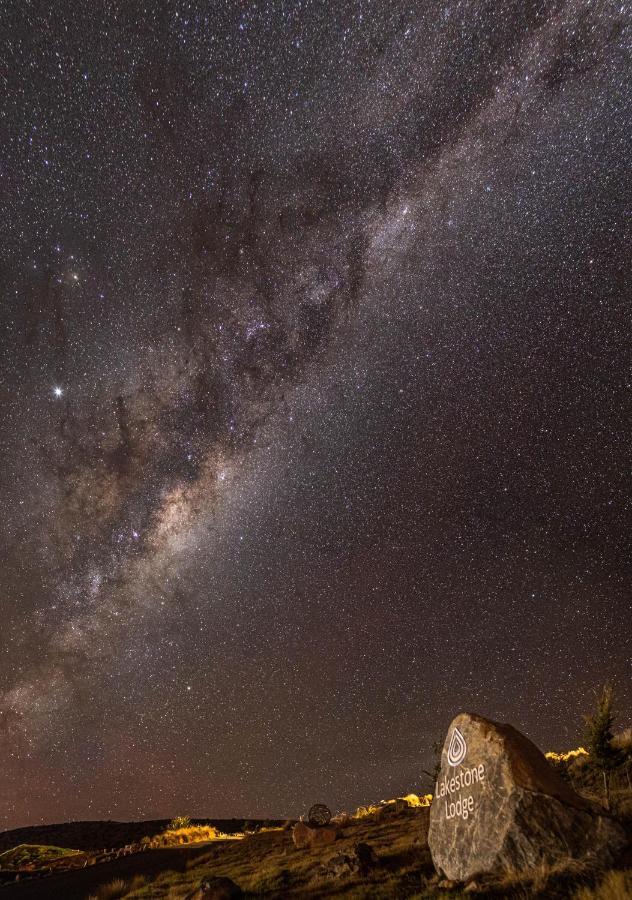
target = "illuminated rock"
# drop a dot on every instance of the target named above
(322, 837)
(304, 836)
(500, 807)
(300, 835)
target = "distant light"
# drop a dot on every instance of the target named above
(58, 392)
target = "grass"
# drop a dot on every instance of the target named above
(119, 887)
(268, 863)
(614, 886)
(33, 855)
(192, 834)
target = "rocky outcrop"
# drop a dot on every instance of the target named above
(500, 807)
(344, 866)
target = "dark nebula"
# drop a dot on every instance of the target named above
(315, 385)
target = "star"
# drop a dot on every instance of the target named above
(346, 368)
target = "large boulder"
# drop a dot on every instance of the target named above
(300, 835)
(322, 837)
(500, 807)
(313, 838)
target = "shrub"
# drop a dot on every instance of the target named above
(179, 822)
(604, 755)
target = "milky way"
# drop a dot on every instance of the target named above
(316, 394)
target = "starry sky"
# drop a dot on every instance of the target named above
(315, 385)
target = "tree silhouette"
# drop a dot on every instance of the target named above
(603, 754)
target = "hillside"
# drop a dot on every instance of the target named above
(33, 855)
(97, 835)
(266, 864)
(381, 851)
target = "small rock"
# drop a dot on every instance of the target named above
(341, 866)
(472, 888)
(216, 888)
(304, 836)
(367, 858)
(447, 885)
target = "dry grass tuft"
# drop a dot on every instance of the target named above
(117, 888)
(543, 881)
(615, 886)
(193, 834)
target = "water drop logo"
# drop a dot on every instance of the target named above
(457, 748)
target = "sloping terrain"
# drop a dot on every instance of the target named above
(33, 855)
(97, 835)
(266, 864)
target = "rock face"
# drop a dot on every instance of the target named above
(500, 807)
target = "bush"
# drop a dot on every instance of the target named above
(179, 822)
(604, 754)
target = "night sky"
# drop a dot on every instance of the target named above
(315, 389)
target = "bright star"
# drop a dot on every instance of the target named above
(58, 392)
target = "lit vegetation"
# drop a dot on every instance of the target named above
(615, 886)
(191, 834)
(35, 855)
(179, 822)
(119, 887)
(414, 801)
(566, 756)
